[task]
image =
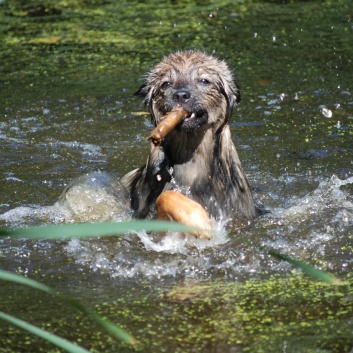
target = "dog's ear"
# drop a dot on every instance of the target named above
(142, 91)
(145, 92)
(236, 94)
(232, 93)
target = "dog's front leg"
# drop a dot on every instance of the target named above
(147, 183)
(173, 206)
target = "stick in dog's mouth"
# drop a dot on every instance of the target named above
(168, 123)
(172, 205)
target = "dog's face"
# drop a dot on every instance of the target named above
(200, 83)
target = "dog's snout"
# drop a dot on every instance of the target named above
(181, 96)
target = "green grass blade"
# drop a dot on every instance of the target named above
(115, 228)
(50, 337)
(109, 326)
(9, 276)
(76, 230)
(104, 323)
(306, 268)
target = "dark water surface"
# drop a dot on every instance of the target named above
(68, 74)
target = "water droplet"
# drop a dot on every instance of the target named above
(327, 113)
(272, 101)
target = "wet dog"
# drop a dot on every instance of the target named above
(198, 157)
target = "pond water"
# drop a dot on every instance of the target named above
(68, 76)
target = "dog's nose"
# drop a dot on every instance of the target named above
(181, 96)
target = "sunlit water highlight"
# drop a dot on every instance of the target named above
(311, 209)
(311, 227)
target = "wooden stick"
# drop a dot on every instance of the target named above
(168, 123)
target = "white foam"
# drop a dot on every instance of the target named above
(147, 254)
(21, 216)
(327, 195)
(307, 228)
(174, 242)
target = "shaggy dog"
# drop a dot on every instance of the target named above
(198, 157)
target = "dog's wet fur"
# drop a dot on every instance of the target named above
(198, 155)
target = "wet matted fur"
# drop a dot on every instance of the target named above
(198, 156)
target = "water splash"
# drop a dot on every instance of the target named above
(23, 216)
(315, 226)
(174, 243)
(327, 113)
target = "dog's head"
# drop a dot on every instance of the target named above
(198, 82)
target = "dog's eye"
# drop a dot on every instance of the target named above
(204, 81)
(166, 84)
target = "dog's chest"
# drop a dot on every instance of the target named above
(192, 173)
